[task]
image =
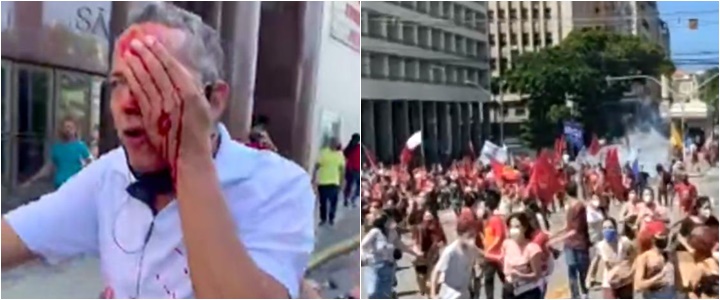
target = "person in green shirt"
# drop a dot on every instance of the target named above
(328, 175)
(67, 156)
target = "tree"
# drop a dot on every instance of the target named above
(574, 73)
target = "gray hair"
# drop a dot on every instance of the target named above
(203, 47)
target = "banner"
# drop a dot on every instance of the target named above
(574, 133)
(490, 152)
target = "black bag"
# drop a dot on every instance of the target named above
(397, 254)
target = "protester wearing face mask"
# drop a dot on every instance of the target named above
(700, 215)
(595, 217)
(522, 263)
(703, 278)
(654, 272)
(650, 210)
(429, 239)
(614, 258)
(453, 271)
(378, 250)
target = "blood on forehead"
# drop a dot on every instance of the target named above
(162, 33)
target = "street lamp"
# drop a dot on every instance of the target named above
(493, 99)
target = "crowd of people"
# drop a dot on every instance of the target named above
(653, 237)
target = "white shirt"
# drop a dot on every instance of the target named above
(270, 198)
(455, 265)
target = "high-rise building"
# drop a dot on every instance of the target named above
(516, 27)
(424, 67)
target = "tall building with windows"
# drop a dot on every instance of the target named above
(424, 67)
(516, 27)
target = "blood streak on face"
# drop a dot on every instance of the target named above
(162, 34)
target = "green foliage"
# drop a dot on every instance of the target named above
(575, 71)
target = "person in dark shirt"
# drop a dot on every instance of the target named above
(577, 244)
(700, 215)
(664, 186)
(352, 171)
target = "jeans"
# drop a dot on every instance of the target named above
(379, 279)
(328, 197)
(667, 292)
(352, 185)
(578, 262)
(535, 293)
(491, 268)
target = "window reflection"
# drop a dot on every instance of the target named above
(5, 125)
(73, 100)
(33, 92)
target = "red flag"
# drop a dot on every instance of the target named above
(411, 144)
(613, 175)
(544, 181)
(497, 169)
(594, 148)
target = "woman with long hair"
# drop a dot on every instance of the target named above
(614, 259)
(704, 278)
(67, 156)
(429, 239)
(352, 171)
(522, 263)
(654, 273)
(379, 249)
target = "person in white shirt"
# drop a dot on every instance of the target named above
(453, 271)
(180, 210)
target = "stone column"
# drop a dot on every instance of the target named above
(311, 21)
(478, 129)
(464, 128)
(368, 126)
(455, 123)
(118, 21)
(383, 121)
(444, 135)
(239, 30)
(401, 126)
(430, 135)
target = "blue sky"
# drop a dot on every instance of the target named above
(688, 44)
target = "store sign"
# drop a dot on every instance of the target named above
(83, 17)
(92, 20)
(345, 23)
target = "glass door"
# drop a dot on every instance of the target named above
(32, 130)
(6, 115)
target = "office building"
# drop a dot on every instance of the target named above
(424, 67)
(516, 27)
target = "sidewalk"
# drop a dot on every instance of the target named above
(80, 278)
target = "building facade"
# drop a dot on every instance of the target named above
(516, 27)
(55, 58)
(424, 67)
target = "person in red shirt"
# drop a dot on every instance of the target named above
(352, 171)
(260, 140)
(494, 234)
(686, 192)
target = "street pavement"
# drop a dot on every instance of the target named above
(558, 285)
(80, 278)
(338, 276)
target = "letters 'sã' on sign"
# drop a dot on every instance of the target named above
(693, 24)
